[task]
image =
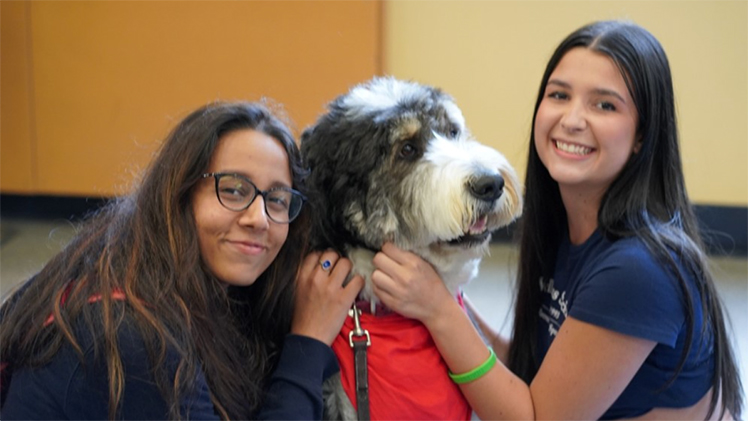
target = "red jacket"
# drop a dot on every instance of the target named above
(407, 376)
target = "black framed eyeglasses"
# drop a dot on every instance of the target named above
(237, 192)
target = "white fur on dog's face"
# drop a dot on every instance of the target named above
(443, 207)
(365, 100)
(393, 161)
(442, 210)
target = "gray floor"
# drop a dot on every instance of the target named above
(26, 244)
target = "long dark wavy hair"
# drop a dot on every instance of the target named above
(647, 200)
(146, 246)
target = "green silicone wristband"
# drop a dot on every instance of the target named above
(477, 372)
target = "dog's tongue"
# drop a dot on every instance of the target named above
(479, 225)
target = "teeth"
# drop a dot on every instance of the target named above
(573, 149)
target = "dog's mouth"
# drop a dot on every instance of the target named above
(476, 234)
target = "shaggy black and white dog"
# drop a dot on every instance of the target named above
(393, 161)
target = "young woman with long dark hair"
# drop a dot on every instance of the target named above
(616, 313)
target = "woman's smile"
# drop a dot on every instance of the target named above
(574, 149)
(249, 248)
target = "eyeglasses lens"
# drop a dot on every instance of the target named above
(237, 194)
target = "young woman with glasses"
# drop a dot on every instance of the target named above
(187, 298)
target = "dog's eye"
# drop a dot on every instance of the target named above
(454, 131)
(408, 151)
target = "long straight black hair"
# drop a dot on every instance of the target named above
(648, 200)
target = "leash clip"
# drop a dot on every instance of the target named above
(360, 364)
(357, 330)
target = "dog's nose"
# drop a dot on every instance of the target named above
(487, 187)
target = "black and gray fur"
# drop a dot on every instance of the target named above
(393, 161)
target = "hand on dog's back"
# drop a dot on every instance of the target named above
(407, 284)
(322, 302)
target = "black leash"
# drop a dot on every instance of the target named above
(360, 345)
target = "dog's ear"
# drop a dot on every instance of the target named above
(308, 132)
(304, 143)
(314, 136)
(315, 154)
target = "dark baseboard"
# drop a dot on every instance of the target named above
(725, 228)
(48, 207)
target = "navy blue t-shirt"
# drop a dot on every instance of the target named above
(622, 287)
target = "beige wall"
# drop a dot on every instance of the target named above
(490, 56)
(89, 88)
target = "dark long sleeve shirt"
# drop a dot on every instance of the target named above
(67, 388)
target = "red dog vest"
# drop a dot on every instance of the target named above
(407, 375)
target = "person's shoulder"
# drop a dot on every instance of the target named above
(628, 290)
(632, 254)
(628, 245)
(141, 363)
(137, 344)
(626, 266)
(90, 330)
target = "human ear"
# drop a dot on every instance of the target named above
(637, 144)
